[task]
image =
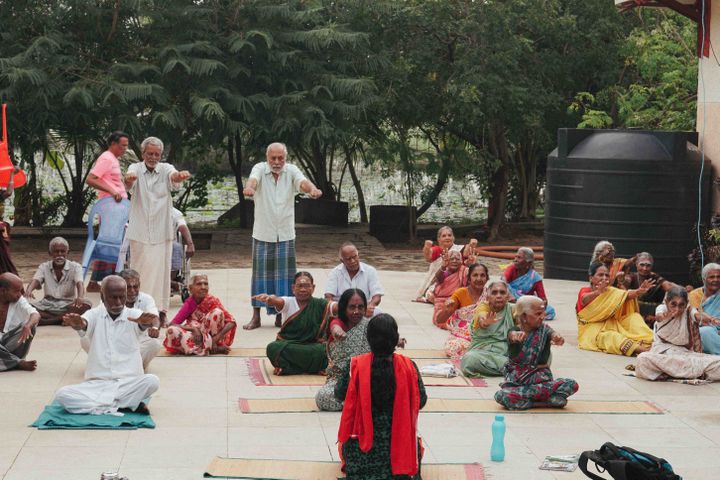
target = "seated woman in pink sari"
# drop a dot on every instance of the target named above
(202, 326)
(452, 275)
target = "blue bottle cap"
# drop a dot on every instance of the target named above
(500, 417)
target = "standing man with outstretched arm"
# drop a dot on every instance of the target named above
(107, 180)
(273, 186)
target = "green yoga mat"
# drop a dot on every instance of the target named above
(56, 417)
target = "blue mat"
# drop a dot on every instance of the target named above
(56, 417)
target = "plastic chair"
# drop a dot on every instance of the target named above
(106, 247)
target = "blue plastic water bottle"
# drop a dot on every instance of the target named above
(497, 450)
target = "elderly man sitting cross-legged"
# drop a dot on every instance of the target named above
(352, 273)
(149, 344)
(114, 377)
(18, 320)
(62, 282)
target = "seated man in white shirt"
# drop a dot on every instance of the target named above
(352, 273)
(18, 320)
(114, 377)
(149, 344)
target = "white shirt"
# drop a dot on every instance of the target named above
(366, 279)
(290, 308)
(275, 202)
(65, 288)
(146, 303)
(114, 344)
(151, 204)
(18, 313)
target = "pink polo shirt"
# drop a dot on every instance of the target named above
(107, 169)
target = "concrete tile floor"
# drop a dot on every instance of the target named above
(198, 418)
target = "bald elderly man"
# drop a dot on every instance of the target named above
(114, 377)
(352, 273)
(18, 320)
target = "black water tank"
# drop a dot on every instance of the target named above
(637, 189)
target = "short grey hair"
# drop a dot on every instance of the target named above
(195, 275)
(58, 241)
(709, 268)
(345, 245)
(528, 252)
(526, 302)
(152, 141)
(645, 255)
(492, 283)
(600, 246)
(129, 273)
(276, 145)
(444, 227)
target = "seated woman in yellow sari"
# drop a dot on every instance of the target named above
(300, 344)
(609, 318)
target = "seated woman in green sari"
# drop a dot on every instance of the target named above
(493, 319)
(609, 318)
(300, 344)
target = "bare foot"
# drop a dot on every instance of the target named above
(27, 365)
(278, 320)
(143, 409)
(93, 287)
(219, 350)
(252, 324)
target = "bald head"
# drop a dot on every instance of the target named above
(114, 294)
(350, 257)
(11, 288)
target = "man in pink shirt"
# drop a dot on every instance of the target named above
(107, 180)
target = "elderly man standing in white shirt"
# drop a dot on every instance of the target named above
(273, 186)
(18, 320)
(352, 273)
(114, 377)
(150, 226)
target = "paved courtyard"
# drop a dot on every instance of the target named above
(197, 414)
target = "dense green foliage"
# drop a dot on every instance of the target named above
(450, 88)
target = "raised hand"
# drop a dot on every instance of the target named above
(646, 285)
(517, 337)
(428, 244)
(182, 176)
(263, 297)
(557, 339)
(402, 342)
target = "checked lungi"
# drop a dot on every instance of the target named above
(273, 270)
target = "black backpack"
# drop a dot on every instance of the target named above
(624, 463)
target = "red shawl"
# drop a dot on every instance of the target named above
(356, 421)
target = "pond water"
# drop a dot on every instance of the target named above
(458, 202)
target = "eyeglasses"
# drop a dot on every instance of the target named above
(645, 264)
(303, 285)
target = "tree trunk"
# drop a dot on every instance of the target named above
(356, 184)
(234, 151)
(499, 188)
(27, 208)
(439, 185)
(76, 195)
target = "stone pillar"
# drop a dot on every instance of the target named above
(708, 102)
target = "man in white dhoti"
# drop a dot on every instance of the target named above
(114, 376)
(149, 344)
(18, 320)
(150, 227)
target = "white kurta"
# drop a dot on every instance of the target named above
(149, 347)
(150, 229)
(114, 376)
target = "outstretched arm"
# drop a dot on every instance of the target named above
(308, 187)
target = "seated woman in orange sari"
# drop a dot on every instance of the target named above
(609, 318)
(202, 326)
(604, 252)
(452, 276)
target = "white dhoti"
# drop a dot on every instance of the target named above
(149, 348)
(152, 261)
(98, 397)
(680, 363)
